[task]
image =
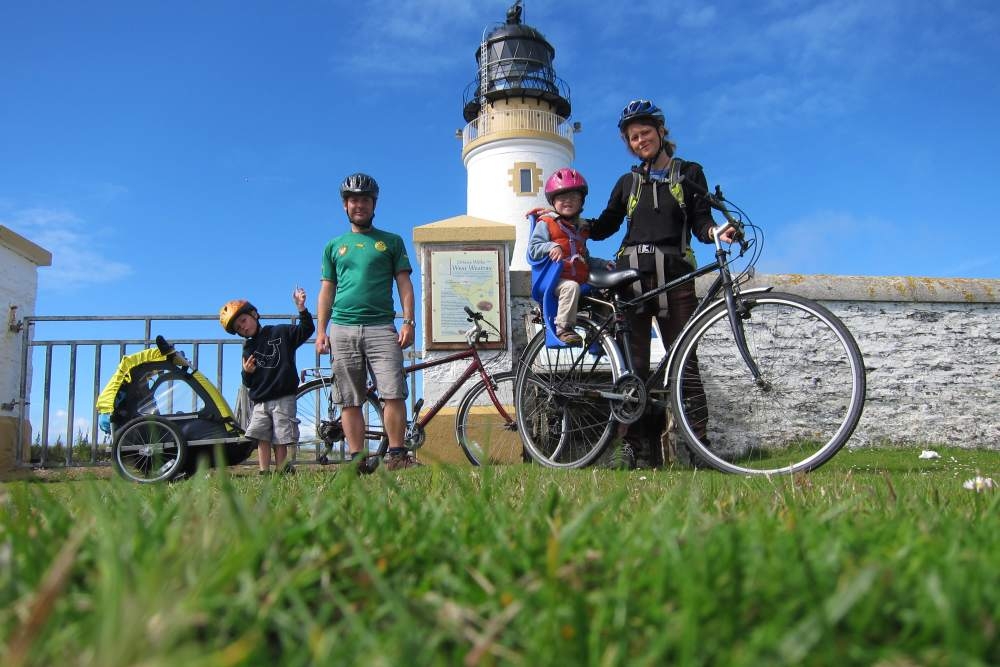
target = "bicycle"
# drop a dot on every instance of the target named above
(773, 409)
(485, 425)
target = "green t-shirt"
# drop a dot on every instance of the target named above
(364, 266)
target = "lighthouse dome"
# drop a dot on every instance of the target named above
(518, 64)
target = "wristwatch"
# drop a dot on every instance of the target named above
(412, 323)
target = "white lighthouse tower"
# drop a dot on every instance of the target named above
(518, 132)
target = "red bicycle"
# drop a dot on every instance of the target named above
(485, 424)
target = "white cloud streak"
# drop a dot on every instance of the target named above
(78, 260)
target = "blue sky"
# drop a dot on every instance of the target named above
(175, 155)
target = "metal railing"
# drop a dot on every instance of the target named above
(506, 120)
(64, 378)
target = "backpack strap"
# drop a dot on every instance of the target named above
(630, 203)
(675, 183)
(676, 187)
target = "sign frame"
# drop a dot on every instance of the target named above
(445, 331)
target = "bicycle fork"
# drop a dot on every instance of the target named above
(738, 313)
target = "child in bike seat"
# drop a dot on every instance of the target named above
(270, 375)
(559, 237)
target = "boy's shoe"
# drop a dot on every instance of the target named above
(568, 336)
(401, 462)
(286, 470)
(264, 473)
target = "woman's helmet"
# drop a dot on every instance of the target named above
(359, 184)
(563, 180)
(229, 312)
(640, 109)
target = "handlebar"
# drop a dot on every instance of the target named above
(717, 201)
(477, 332)
(173, 355)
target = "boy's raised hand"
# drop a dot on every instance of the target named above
(299, 297)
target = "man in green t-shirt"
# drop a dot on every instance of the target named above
(359, 268)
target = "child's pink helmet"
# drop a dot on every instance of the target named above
(565, 179)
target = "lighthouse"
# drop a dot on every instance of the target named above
(517, 131)
(517, 134)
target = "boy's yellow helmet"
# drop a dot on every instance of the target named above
(229, 312)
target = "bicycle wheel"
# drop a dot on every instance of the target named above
(320, 428)
(802, 410)
(563, 415)
(148, 450)
(483, 433)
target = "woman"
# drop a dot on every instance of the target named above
(661, 203)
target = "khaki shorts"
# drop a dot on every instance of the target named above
(362, 348)
(274, 421)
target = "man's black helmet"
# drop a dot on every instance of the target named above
(637, 109)
(359, 184)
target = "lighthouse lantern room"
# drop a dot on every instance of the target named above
(518, 133)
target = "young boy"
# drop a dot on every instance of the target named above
(560, 235)
(270, 375)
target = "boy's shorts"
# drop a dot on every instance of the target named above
(358, 348)
(274, 421)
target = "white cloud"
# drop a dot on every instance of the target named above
(78, 259)
(399, 42)
(831, 242)
(108, 192)
(57, 425)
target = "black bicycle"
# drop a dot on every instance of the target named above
(758, 382)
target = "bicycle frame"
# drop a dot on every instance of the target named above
(618, 326)
(418, 422)
(415, 424)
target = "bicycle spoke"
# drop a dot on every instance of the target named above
(484, 434)
(797, 414)
(563, 419)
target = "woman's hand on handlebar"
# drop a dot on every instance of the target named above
(728, 234)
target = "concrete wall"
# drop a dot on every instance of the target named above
(19, 260)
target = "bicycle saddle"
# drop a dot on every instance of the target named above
(612, 279)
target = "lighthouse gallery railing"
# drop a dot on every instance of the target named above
(496, 121)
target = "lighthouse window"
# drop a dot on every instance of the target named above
(526, 180)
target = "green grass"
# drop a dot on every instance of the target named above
(879, 558)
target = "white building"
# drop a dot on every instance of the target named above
(19, 262)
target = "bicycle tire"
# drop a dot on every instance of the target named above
(149, 449)
(805, 409)
(314, 406)
(482, 432)
(562, 420)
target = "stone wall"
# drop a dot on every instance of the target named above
(931, 349)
